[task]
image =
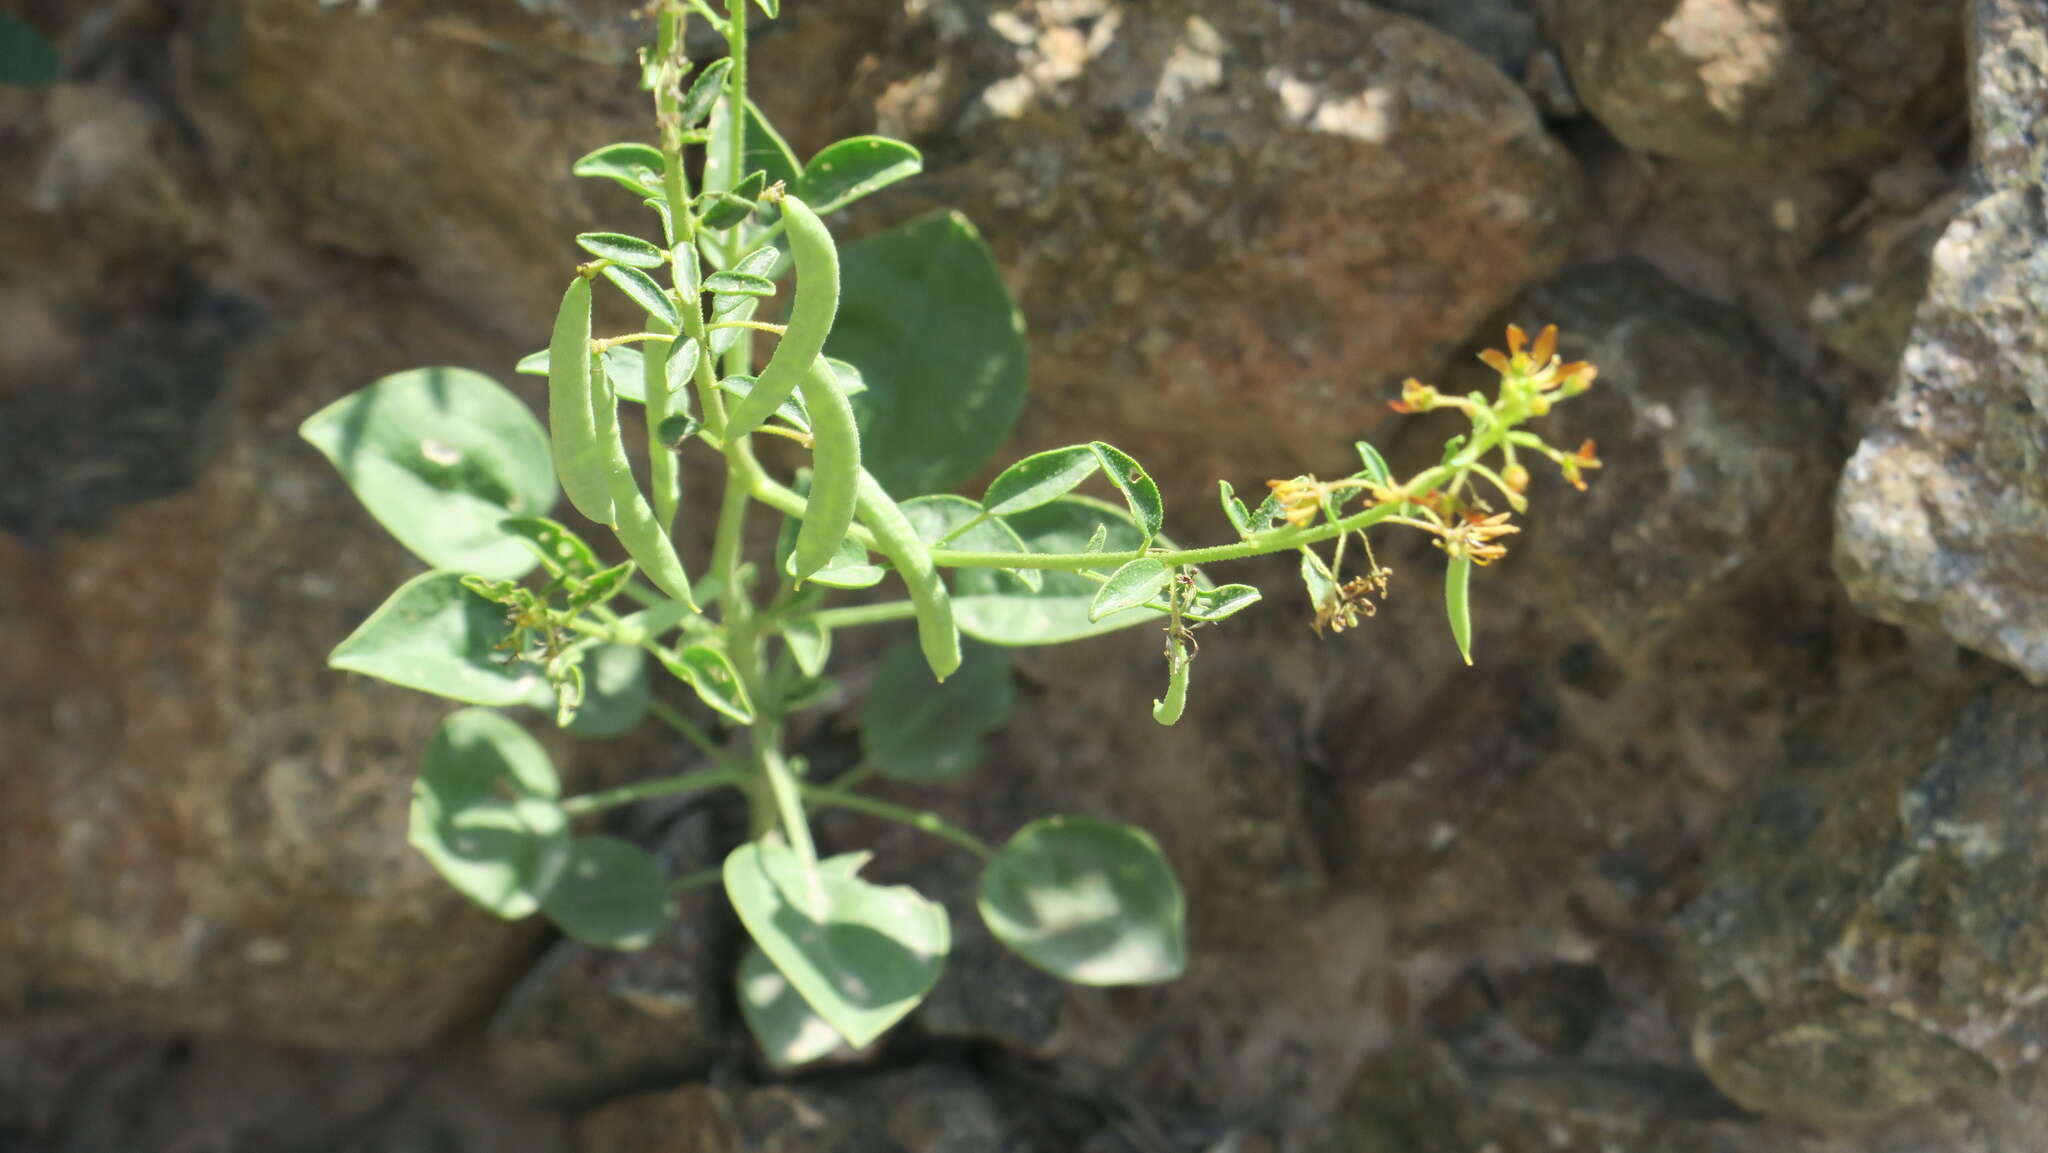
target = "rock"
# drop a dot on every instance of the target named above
(585, 1022)
(1705, 436)
(926, 1109)
(1506, 32)
(1939, 513)
(1207, 210)
(1804, 82)
(1859, 948)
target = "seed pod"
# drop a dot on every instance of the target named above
(835, 471)
(1168, 711)
(895, 539)
(634, 522)
(810, 318)
(572, 427)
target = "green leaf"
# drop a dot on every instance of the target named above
(625, 249)
(772, 7)
(599, 588)
(622, 367)
(698, 102)
(945, 517)
(439, 456)
(850, 380)
(647, 295)
(27, 59)
(810, 644)
(1039, 479)
(560, 551)
(484, 813)
(709, 671)
(438, 637)
(1140, 493)
(782, 1023)
(924, 313)
(861, 955)
(766, 151)
(637, 167)
(1314, 577)
(1089, 901)
(745, 284)
(1375, 469)
(615, 692)
(736, 306)
(611, 894)
(1233, 508)
(849, 568)
(1218, 603)
(791, 411)
(1458, 603)
(1131, 586)
(844, 172)
(916, 730)
(721, 210)
(990, 607)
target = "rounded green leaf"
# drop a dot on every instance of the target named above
(484, 813)
(990, 606)
(861, 955)
(782, 1022)
(924, 313)
(625, 249)
(844, 172)
(27, 59)
(1089, 901)
(439, 456)
(615, 692)
(436, 636)
(1040, 478)
(915, 729)
(610, 893)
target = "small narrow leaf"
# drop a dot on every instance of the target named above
(791, 411)
(722, 210)
(622, 248)
(1457, 603)
(850, 381)
(1233, 509)
(915, 730)
(703, 94)
(1131, 586)
(637, 167)
(611, 894)
(1221, 602)
(1089, 901)
(844, 172)
(1139, 491)
(744, 283)
(735, 306)
(1040, 478)
(1375, 469)
(709, 671)
(646, 294)
(681, 370)
(810, 644)
(560, 551)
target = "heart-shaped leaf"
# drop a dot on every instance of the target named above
(782, 1022)
(844, 172)
(484, 813)
(1089, 901)
(917, 730)
(861, 955)
(439, 456)
(924, 313)
(436, 636)
(610, 893)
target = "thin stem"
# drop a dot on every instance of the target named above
(630, 338)
(756, 325)
(924, 822)
(694, 733)
(647, 790)
(696, 879)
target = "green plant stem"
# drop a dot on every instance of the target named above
(922, 821)
(647, 790)
(694, 733)
(696, 879)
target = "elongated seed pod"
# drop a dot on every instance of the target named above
(835, 471)
(572, 428)
(816, 303)
(894, 537)
(646, 539)
(1169, 710)
(661, 461)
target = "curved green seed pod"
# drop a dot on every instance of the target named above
(895, 539)
(835, 471)
(1168, 711)
(810, 319)
(572, 426)
(646, 539)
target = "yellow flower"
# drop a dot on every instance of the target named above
(1300, 499)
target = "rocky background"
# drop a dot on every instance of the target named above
(1735, 841)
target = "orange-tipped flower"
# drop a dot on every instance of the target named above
(1583, 459)
(1415, 397)
(1300, 499)
(1546, 345)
